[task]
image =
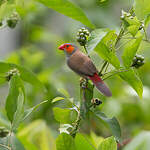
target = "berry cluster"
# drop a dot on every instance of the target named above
(95, 102)
(138, 61)
(3, 132)
(12, 21)
(11, 73)
(82, 36)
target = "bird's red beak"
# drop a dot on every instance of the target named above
(62, 47)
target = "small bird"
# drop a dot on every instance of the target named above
(83, 66)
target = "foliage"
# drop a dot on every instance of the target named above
(53, 89)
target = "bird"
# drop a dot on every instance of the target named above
(82, 65)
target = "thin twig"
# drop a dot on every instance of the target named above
(102, 68)
(86, 51)
(114, 74)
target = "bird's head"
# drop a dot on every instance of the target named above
(68, 48)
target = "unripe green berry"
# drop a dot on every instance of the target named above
(138, 61)
(83, 29)
(12, 23)
(82, 34)
(80, 31)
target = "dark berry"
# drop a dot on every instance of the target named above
(138, 61)
(3, 132)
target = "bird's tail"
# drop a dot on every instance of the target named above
(100, 85)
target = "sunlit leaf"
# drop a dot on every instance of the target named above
(6, 10)
(133, 80)
(130, 50)
(83, 143)
(64, 92)
(64, 115)
(57, 99)
(142, 8)
(69, 9)
(102, 41)
(36, 135)
(108, 143)
(147, 20)
(65, 142)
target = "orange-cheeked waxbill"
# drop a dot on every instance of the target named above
(83, 66)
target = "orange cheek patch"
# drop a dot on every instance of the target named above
(70, 49)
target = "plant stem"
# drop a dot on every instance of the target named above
(76, 127)
(120, 35)
(114, 74)
(103, 66)
(86, 51)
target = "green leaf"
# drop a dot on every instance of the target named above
(133, 29)
(11, 101)
(112, 123)
(57, 99)
(65, 115)
(64, 92)
(69, 9)
(6, 10)
(142, 8)
(82, 143)
(37, 136)
(140, 142)
(108, 144)
(27, 112)
(65, 142)
(95, 38)
(25, 74)
(19, 112)
(133, 80)
(147, 20)
(103, 41)
(130, 51)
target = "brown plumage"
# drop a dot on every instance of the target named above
(86, 68)
(83, 65)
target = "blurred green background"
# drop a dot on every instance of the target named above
(34, 44)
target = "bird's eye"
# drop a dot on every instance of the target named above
(67, 46)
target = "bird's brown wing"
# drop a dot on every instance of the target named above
(81, 64)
